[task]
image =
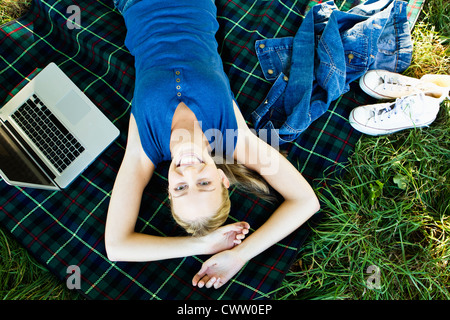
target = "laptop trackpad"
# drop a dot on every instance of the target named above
(73, 107)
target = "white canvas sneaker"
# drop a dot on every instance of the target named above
(382, 84)
(414, 111)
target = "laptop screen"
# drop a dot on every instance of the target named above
(16, 164)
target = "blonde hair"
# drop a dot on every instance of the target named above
(244, 179)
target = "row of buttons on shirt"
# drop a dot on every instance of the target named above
(178, 80)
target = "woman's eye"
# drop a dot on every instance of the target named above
(180, 188)
(204, 183)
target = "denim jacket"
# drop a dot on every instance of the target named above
(331, 49)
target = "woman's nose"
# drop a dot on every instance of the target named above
(190, 169)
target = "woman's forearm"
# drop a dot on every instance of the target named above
(300, 200)
(289, 216)
(143, 247)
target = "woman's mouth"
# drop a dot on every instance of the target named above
(188, 159)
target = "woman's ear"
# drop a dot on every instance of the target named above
(224, 178)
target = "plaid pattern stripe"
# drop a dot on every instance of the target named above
(67, 227)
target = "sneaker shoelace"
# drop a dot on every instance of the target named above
(392, 83)
(400, 105)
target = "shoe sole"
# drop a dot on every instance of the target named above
(380, 132)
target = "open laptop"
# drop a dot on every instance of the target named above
(50, 132)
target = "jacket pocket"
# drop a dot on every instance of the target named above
(274, 55)
(356, 46)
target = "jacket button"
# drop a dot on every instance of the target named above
(270, 71)
(262, 46)
(286, 78)
(350, 57)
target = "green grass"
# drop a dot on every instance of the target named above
(21, 277)
(12, 9)
(391, 209)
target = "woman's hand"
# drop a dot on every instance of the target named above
(226, 237)
(218, 269)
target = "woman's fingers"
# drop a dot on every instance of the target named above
(198, 278)
(239, 227)
(217, 284)
(210, 282)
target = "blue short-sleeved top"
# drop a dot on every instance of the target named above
(176, 60)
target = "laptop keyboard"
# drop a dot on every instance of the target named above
(47, 133)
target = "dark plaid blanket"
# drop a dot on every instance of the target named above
(66, 228)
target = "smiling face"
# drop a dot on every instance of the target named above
(195, 186)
